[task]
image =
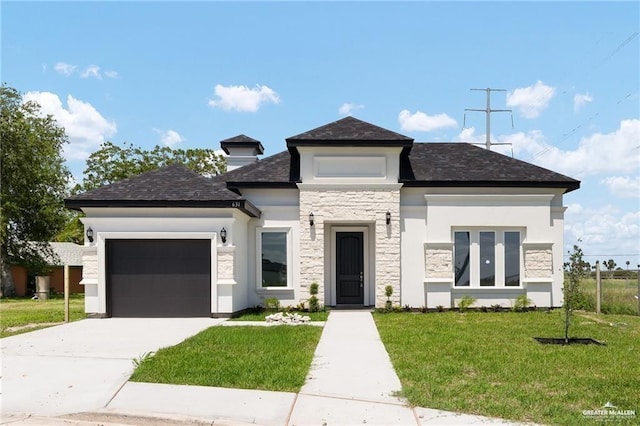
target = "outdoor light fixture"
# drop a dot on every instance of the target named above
(223, 235)
(388, 217)
(90, 234)
(311, 217)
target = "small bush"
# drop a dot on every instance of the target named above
(272, 304)
(440, 308)
(314, 303)
(521, 303)
(407, 308)
(496, 308)
(424, 309)
(465, 302)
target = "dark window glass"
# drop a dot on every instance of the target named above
(462, 245)
(511, 258)
(487, 259)
(274, 259)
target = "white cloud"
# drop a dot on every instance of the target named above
(111, 74)
(531, 100)
(64, 68)
(92, 71)
(623, 186)
(85, 127)
(604, 230)
(348, 108)
(616, 152)
(580, 100)
(242, 98)
(421, 122)
(169, 137)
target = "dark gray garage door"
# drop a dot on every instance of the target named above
(158, 278)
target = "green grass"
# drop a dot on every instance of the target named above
(617, 295)
(253, 316)
(267, 358)
(488, 364)
(21, 312)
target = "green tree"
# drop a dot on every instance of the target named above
(610, 265)
(573, 297)
(34, 182)
(112, 163)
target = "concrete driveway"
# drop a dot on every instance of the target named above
(80, 366)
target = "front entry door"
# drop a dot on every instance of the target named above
(349, 268)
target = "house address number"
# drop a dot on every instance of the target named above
(235, 204)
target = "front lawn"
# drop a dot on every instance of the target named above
(21, 314)
(268, 358)
(488, 364)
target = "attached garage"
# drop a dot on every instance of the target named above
(158, 278)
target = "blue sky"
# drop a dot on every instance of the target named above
(192, 74)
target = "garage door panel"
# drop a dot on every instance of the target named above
(159, 278)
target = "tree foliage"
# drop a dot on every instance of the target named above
(112, 163)
(34, 182)
(610, 265)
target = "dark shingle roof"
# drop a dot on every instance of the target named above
(427, 165)
(462, 164)
(349, 131)
(241, 141)
(170, 186)
(272, 171)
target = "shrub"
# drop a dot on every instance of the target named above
(388, 291)
(314, 303)
(272, 304)
(465, 302)
(521, 303)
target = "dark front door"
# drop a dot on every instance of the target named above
(349, 268)
(158, 278)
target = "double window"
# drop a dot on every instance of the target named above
(274, 264)
(486, 258)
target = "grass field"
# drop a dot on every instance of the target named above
(267, 358)
(617, 295)
(20, 315)
(488, 364)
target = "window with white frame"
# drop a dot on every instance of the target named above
(486, 258)
(273, 263)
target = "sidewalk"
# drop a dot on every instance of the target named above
(351, 382)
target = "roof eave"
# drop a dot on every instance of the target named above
(568, 186)
(243, 205)
(293, 142)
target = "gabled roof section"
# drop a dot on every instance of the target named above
(349, 131)
(463, 164)
(170, 186)
(241, 141)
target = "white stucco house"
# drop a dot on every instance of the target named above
(349, 205)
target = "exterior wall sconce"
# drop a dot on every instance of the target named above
(311, 219)
(388, 216)
(223, 235)
(90, 234)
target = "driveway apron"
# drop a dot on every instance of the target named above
(81, 366)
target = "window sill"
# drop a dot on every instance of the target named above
(541, 280)
(272, 289)
(486, 289)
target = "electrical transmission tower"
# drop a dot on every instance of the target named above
(488, 112)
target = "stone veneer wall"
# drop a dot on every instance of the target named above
(438, 262)
(538, 263)
(89, 265)
(350, 207)
(225, 264)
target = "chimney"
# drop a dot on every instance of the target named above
(241, 150)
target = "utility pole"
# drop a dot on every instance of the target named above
(488, 112)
